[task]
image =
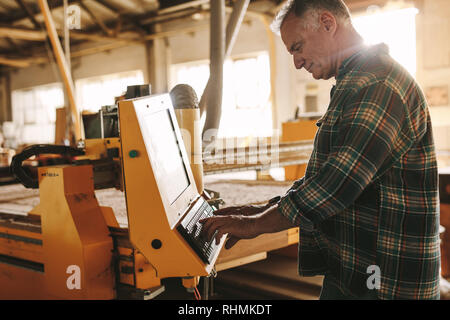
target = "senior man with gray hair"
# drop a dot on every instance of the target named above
(367, 207)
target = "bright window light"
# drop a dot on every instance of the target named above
(95, 92)
(396, 28)
(34, 113)
(246, 106)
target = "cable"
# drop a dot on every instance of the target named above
(197, 294)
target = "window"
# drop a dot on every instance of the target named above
(34, 113)
(246, 105)
(396, 28)
(95, 92)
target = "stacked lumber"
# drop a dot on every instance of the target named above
(273, 278)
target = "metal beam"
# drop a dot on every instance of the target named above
(234, 23)
(217, 54)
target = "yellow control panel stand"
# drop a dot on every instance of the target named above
(149, 227)
(77, 248)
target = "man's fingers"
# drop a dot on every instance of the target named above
(210, 225)
(231, 242)
(220, 232)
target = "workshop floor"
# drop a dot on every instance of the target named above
(230, 284)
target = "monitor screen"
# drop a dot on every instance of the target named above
(164, 146)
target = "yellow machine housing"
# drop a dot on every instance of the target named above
(144, 181)
(69, 247)
(63, 249)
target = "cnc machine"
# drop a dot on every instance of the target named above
(70, 247)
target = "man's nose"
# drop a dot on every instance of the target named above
(298, 62)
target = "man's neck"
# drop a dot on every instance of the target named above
(350, 42)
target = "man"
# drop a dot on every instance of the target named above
(367, 207)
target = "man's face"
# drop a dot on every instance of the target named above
(310, 47)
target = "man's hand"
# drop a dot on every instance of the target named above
(244, 226)
(236, 226)
(246, 210)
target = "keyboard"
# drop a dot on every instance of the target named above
(190, 229)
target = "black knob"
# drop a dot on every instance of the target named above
(156, 244)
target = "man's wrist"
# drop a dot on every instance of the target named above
(271, 220)
(274, 201)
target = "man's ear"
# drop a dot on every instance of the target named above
(328, 21)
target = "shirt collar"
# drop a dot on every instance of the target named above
(349, 63)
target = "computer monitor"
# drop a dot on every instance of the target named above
(163, 204)
(166, 152)
(162, 142)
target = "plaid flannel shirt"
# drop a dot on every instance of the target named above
(370, 192)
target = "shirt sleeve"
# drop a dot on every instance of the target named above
(295, 185)
(373, 133)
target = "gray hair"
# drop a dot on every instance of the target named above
(300, 7)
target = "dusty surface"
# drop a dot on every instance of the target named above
(240, 193)
(18, 199)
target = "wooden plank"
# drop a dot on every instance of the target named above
(283, 268)
(17, 63)
(23, 34)
(247, 282)
(63, 67)
(265, 242)
(39, 35)
(22, 63)
(60, 125)
(78, 35)
(241, 261)
(97, 49)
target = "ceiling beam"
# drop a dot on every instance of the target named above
(29, 13)
(183, 6)
(23, 34)
(136, 23)
(78, 35)
(17, 63)
(109, 6)
(38, 35)
(19, 14)
(168, 16)
(95, 19)
(21, 62)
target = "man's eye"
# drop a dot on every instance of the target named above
(297, 48)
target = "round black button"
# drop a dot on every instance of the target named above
(156, 244)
